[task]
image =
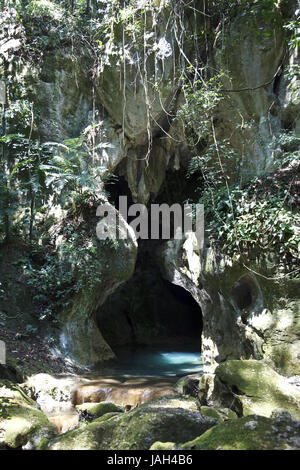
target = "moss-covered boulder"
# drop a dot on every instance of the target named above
(249, 433)
(22, 425)
(96, 410)
(221, 414)
(163, 446)
(259, 388)
(136, 430)
(192, 404)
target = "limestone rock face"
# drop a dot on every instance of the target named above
(263, 100)
(134, 94)
(80, 336)
(252, 60)
(137, 429)
(22, 424)
(127, 82)
(248, 310)
(254, 312)
(259, 388)
(130, 105)
(182, 265)
(62, 94)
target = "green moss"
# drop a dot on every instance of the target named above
(136, 430)
(221, 415)
(162, 446)
(107, 416)
(258, 387)
(99, 409)
(250, 433)
(21, 422)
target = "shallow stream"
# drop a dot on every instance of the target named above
(136, 376)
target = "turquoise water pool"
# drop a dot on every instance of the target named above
(153, 363)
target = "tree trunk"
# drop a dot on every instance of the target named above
(32, 206)
(4, 168)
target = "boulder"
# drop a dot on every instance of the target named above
(135, 430)
(259, 388)
(22, 424)
(91, 411)
(176, 401)
(221, 414)
(250, 433)
(280, 432)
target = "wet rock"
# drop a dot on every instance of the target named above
(64, 422)
(134, 391)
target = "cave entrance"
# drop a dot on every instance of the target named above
(149, 310)
(152, 325)
(150, 315)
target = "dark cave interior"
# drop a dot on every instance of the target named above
(149, 310)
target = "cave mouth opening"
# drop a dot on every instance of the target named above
(151, 324)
